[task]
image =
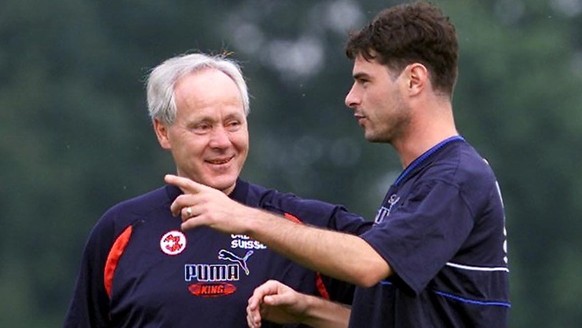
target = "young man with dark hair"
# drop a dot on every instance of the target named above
(436, 255)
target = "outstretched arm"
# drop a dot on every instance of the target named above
(342, 256)
(274, 301)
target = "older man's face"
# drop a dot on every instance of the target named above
(209, 139)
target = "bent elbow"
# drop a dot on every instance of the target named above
(369, 278)
(367, 281)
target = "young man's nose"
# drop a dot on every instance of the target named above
(351, 99)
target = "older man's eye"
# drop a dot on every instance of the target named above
(202, 128)
(232, 125)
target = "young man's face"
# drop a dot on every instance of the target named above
(377, 100)
(209, 138)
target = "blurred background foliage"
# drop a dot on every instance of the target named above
(76, 139)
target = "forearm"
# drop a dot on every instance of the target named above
(342, 256)
(339, 255)
(322, 313)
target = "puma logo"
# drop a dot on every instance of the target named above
(242, 261)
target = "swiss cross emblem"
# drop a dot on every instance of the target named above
(173, 242)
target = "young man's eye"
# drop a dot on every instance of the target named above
(363, 81)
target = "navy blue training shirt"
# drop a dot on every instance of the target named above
(441, 228)
(139, 269)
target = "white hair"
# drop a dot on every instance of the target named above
(162, 79)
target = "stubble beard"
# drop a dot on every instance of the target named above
(393, 130)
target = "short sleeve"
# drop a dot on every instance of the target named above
(423, 233)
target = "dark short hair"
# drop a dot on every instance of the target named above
(411, 33)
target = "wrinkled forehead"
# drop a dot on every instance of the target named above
(208, 82)
(208, 85)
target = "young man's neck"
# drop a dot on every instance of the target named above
(426, 130)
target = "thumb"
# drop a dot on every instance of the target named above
(275, 300)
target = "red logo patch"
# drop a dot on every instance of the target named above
(212, 290)
(173, 242)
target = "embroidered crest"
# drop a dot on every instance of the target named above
(173, 242)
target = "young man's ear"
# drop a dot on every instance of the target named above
(417, 78)
(162, 133)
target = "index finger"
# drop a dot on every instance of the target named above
(185, 184)
(253, 312)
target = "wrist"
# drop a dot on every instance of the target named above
(322, 313)
(251, 220)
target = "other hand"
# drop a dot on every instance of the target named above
(276, 302)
